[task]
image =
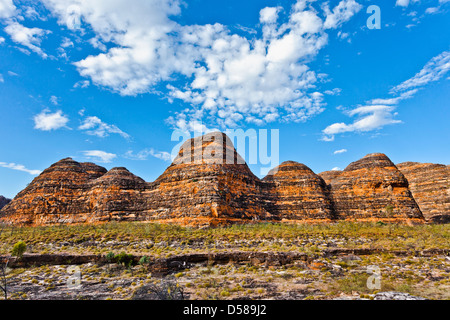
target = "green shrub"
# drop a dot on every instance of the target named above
(110, 257)
(19, 249)
(144, 260)
(125, 259)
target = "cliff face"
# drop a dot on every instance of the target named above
(298, 193)
(430, 185)
(4, 201)
(373, 188)
(209, 183)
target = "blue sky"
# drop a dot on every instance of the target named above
(110, 81)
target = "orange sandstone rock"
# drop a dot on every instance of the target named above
(209, 184)
(430, 185)
(373, 188)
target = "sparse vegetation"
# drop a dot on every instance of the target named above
(19, 249)
(135, 245)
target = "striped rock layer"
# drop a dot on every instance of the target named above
(430, 186)
(208, 183)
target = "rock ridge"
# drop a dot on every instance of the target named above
(209, 183)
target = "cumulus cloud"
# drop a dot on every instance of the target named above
(94, 126)
(100, 156)
(341, 13)
(48, 121)
(226, 78)
(28, 37)
(7, 9)
(19, 167)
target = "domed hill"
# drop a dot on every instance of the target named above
(55, 196)
(430, 185)
(116, 196)
(371, 188)
(298, 193)
(208, 181)
(4, 201)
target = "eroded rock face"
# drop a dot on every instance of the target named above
(209, 183)
(116, 196)
(373, 188)
(298, 193)
(57, 195)
(4, 201)
(430, 185)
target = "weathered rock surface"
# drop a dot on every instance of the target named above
(4, 201)
(58, 195)
(298, 193)
(373, 188)
(328, 176)
(430, 185)
(209, 183)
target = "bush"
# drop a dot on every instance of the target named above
(110, 257)
(125, 259)
(144, 260)
(19, 249)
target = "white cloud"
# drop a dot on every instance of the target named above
(94, 126)
(1, 78)
(334, 92)
(2, 40)
(82, 84)
(228, 78)
(341, 13)
(28, 37)
(432, 10)
(19, 167)
(54, 100)
(370, 118)
(144, 154)
(340, 151)
(98, 155)
(336, 169)
(433, 71)
(7, 9)
(47, 121)
(402, 3)
(381, 112)
(269, 14)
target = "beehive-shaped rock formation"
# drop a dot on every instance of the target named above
(117, 195)
(373, 188)
(430, 185)
(208, 180)
(298, 193)
(208, 183)
(57, 195)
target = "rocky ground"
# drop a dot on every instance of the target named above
(339, 277)
(262, 261)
